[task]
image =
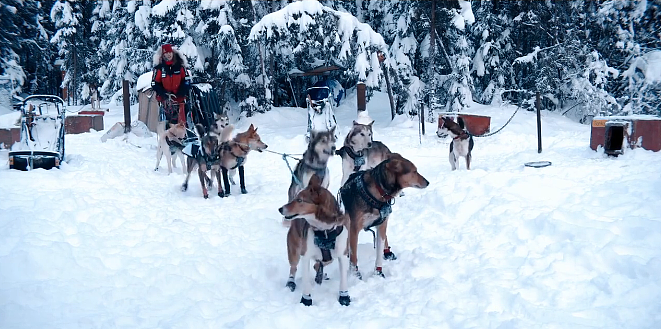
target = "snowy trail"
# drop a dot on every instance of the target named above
(106, 242)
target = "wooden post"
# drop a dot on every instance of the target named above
(421, 114)
(361, 97)
(127, 106)
(382, 58)
(538, 104)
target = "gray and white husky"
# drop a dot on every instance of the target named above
(220, 122)
(360, 151)
(315, 161)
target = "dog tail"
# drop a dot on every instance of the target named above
(200, 129)
(226, 134)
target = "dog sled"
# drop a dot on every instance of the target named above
(321, 114)
(42, 134)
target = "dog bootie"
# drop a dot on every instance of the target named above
(244, 191)
(344, 299)
(353, 269)
(389, 255)
(306, 300)
(222, 194)
(379, 272)
(291, 284)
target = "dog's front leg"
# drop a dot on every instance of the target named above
(168, 158)
(159, 156)
(306, 299)
(242, 180)
(453, 161)
(226, 181)
(221, 193)
(202, 173)
(387, 254)
(468, 161)
(340, 247)
(189, 168)
(380, 244)
(353, 249)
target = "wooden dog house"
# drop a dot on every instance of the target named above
(475, 124)
(615, 133)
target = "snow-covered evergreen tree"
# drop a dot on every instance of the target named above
(317, 35)
(72, 39)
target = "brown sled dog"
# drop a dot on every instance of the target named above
(367, 197)
(318, 233)
(233, 155)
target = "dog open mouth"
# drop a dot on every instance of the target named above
(291, 216)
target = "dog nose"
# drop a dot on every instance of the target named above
(369, 144)
(281, 210)
(265, 146)
(333, 149)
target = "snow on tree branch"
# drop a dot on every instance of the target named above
(308, 24)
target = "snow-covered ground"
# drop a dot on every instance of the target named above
(106, 242)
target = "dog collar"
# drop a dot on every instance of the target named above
(378, 181)
(321, 172)
(463, 135)
(358, 158)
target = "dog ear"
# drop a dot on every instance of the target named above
(315, 181)
(394, 163)
(355, 123)
(371, 123)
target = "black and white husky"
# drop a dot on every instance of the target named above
(462, 141)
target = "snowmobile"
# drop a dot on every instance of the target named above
(42, 134)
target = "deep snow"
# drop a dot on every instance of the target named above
(106, 242)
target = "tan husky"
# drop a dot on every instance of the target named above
(170, 143)
(233, 155)
(318, 233)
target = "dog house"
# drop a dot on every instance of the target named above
(475, 124)
(615, 133)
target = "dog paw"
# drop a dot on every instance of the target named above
(244, 191)
(156, 169)
(389, 255)
(306, 300)
(344, 299)
(379, 272)
(354, 271)
(222, 194)
(206, 196)
(184, 187)
(291, 285)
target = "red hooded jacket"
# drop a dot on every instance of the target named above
(170, 77)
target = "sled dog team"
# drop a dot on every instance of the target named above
(318, 229)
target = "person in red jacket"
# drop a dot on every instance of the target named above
(170, 82)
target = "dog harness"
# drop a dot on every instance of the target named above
(325, 240)
(239, 160)
(356, 185)
(174, 145)
(358, 158)
(321, 172)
